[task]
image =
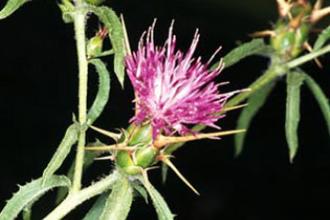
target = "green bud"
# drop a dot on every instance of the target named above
(124, 161)
(94, 46)
(146, 157)
(139, 134)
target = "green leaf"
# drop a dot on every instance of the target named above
(119, 201)
(70, 137)
(162, 209)
(97, 208)
(141, 191)
(320, 97)
(67, 9)
(29, 193)
(10, 7)
(102, 95)
(116, 34)
(292, 117)
(322, 38)
(253, 47)
(255, 102)
(88, 160)
(164, 172)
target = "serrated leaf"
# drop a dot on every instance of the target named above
(97, 208)
(10, 7)
(30, 192)
(116, 34)
(253, 47)
(119, 201)
(320, 97)
(292, 116)
(322, 38)
(103, 92)
(162, 209)
(70, 137)
(255, 102)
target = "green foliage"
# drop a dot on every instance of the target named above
(322, 39)
(255, 102)
(10, 7)
(292, 117)
(102, 95)
(116, 34)
(88, 161)
(97, 208)
(67, 9)
(162, 209)
(320, 97)
(253, 47)
(29, 193)
(141, 191)
(69, 139)
(119, 201)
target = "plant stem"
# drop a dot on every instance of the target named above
(74, 199)
(79, 27)
(273, 72)
(308, 57)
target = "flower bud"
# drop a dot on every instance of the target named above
(146, 157)
(95, 44)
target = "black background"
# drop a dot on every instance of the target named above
(38, 85)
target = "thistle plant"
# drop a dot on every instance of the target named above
(175, 98)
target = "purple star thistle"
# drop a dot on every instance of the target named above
(173, 89)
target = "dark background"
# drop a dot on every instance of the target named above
(38, 85)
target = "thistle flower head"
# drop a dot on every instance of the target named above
(173, 90)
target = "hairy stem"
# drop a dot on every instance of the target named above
(308, 57)
(79, 27)
(75, 199)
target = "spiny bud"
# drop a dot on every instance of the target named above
(95, 44)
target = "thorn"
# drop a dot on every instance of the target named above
(308, 47)
(105, 158)
(318, 5)
(112, 135)
(319, 14)
(296, 22)
(165, 140)
(265, 33)
(284, 8)
(177, 172)
(121, 146)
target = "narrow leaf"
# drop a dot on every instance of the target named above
(292, 117)
(102, 95)
(164, 172)
(70, 137)
(253, 47)
(320, 97)
(88, 160)
(322, 38)
(162, 209)
(10, 7)
(119, 202)
(30, 192)
(255, 102)
(141, 191)
(97, 208)
(116, 35)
